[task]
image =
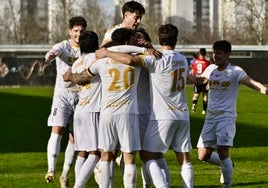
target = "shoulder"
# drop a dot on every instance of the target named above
(234, 67)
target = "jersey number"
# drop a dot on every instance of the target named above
(128, 76)
(178, 77)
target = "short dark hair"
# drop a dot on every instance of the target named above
(144, 33)
(88, 41)
(77, 21)
(133, 6)
(203, 51)
(168, 35)
(121, 36)
(222, 45)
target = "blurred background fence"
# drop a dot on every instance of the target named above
(24, 64)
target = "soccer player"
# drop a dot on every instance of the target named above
(64, 99)
(219, 127)
(86, 114)
(132, 14)
(198, 66)
(169, 124)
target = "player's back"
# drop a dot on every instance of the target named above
(119, 86)
(168, 81)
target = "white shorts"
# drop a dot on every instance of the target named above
(217, 133)
(143, 124)
(122, 129)
(86, 127)
(62, 109)
(165, 134)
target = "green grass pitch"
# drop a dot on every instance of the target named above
(24, 136)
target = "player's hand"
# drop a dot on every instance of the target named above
(101, 53)
(66, 75)
(264, 91)
(52, 56)
(151, 51)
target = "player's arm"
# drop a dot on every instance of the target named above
(54, 52)
(78, 78)
(249, 82)
(124, 58)
(196, 80)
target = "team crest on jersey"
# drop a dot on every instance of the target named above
(228, 73)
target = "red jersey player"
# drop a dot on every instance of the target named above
(198, 66)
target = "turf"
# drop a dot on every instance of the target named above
(24, 137)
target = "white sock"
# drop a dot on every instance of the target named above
(164, 168)
(78, 165)
(227, 171)
(86, 171)
(130, 176)
(156, 174)
(215, 159)
(187, 174)
(112, 173)
(53, 150)
(104, 174)
(68, 159)
(146, 179)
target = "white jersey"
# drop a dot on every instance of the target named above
(119, 84)
(223, 89)
(68, 54)
(108, 35)
(89, 94)
(167, 86)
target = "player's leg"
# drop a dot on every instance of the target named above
(108, 141)
(182, 146)
(154, 145)
(205, 98)
(187, 171)
(195, 99)
(226, 166)
(130, 169)
(68, 161)
(87, 169)
(129, 139)
(143, 123)
(157, 174)
(106, 168)
(53, 150)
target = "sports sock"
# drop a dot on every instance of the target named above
(146, 179)
(86, 170)
(53, 150)
(227, 171)
(112, 173)
(195, 102)
(156, 174)
(187, 174)
(68, 159)
(164, 168)
(104, 174)
(130, 176)
(215, 159)
(205, 105)
(78, 165)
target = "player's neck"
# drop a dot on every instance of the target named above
(165, 47)
(222, 66)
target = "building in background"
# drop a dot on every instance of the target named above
(26, 21)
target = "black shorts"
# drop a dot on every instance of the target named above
(200, 88)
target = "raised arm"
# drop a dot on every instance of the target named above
(249, 82)
(124, 58)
